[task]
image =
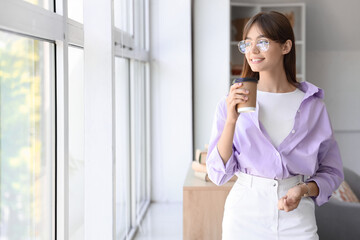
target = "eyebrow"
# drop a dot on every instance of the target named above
(260, 36)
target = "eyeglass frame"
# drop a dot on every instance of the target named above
(251, 46)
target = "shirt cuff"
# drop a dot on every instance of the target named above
(324, 190)
(229, 167)
(218, 172)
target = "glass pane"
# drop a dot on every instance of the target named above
(140, 135)
(123, 15)
(142, 24)
(26, 139)
(75, 10)
(76, 143)
(122, 105)
(47, 4)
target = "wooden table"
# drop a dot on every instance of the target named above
(203, 208)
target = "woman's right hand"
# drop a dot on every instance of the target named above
(237, 94)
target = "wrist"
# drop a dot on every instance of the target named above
(230, 122)
(305, 189)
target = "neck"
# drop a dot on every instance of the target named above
(275, 82)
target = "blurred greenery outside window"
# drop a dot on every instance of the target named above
(47, 4)
(26, 162)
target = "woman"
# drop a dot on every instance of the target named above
(284, 154)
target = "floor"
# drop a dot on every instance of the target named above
(163, 221)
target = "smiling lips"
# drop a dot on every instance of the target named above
(257, 60)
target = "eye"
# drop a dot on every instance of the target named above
(263, 44)
(247, 43)
(244, 46)
(263, 41)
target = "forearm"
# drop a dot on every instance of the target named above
(226, 141)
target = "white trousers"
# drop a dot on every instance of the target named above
(251, 211)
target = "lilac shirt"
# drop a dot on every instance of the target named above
(310, 148)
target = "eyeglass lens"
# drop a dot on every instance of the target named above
(246, 45)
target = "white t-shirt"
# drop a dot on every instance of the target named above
(277, 113)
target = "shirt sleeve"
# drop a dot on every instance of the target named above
(218, 172)
(329, 174)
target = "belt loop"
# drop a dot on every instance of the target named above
(251, 181)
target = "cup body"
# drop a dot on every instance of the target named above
(251, 85)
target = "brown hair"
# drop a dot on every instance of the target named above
(276, 27)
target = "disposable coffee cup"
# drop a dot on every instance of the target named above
(251, 85)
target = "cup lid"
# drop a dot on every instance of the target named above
(245, 79)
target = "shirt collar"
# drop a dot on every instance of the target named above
(308, 88)
(311, 90)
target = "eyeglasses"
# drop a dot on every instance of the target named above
(246, 45)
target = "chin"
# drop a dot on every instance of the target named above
(255, 68)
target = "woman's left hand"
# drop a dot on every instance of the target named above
(291, 200)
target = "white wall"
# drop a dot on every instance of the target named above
(171, 94)
(211, 63)
(333, 64)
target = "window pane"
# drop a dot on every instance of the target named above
(47, 4)
(123, 15)
(141, 16)
(140, 135)
(26, 143)
(122, 105)
(76, 143)
(75, 10)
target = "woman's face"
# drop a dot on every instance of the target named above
(260, 60)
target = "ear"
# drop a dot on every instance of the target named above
(286, 47)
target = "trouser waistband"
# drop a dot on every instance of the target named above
(261, 182)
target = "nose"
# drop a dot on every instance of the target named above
(254, 49)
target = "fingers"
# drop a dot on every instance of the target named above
(280, 204)
(238, 94)
(287, 204)
(235, 85)
(239, 98)
(237, 88)
(242, 91)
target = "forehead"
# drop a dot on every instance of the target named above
(254, 32)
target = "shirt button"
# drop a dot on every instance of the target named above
(298, 111)
(277, 154)
(293, 131)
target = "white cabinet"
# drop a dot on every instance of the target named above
(242, 11)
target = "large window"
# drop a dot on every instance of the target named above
(132, 115)
(26, 137)
(43, 94)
